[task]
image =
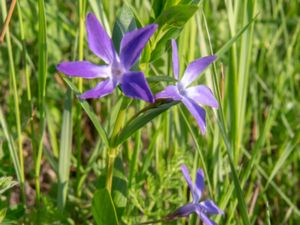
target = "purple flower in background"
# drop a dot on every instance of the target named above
(132, 83)
(201, 208)
(191, 97)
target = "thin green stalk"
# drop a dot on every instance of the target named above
(42, 76)
(134, 157)
(246, 47)
(65, 152)
(12, 74)
(229, 149)
(112, 152)
(82, 9)
(111, 156)
(27, 74)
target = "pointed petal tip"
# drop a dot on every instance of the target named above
(200, 172)
(58, 67)
(89, 15)
(215, 105)
(183, 167)
(203, 130)
(153, 26)
(61, 67)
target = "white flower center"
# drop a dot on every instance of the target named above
(181, 89)
(117, 71)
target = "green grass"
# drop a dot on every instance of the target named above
(58, 147)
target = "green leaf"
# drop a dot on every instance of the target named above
(154, 79)
(140, 120)
(103, 208)
(125, 22)
(171, 22)
(119, 187)
(2, 214)
(65, 152)
(177, 15)
(157, 7)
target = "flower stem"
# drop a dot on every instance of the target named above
(78, 133)
(112, 152)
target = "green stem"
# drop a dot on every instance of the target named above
(112, 152)
(82, 7)
(16, 101)
(42, 77)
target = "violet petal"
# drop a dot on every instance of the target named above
(188, 179)
(183, 211)
(197, 111)
(210, 207)
(83, 69)
(175, 59)
(134, 85)
(195, 68)
(98, 40)
(199, 184)
(170, 92)
(133, 43)
(202, 95)
(204, 218)
(103, 88)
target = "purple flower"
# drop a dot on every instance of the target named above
(133, 83)
(201, 208)
(191, 97)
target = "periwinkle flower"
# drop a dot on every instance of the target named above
(133, 83)
(191, 97)
(200, 208)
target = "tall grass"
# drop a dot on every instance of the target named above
(57, 146)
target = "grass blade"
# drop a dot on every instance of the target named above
(65, 152)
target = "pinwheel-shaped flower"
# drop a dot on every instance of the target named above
(191, 97)
(200, 208)
(132, 83)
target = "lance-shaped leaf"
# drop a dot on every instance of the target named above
(140, 120)
(171, 22)
(103, 208)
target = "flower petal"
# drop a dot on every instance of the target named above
(83, 69)
(204, 218)
(103, 88)
(197, 111)
(134, 85)
(133, 43)
(175, 59)
(210, 207)
(202, 95)
(199, 183)
(185, 172)
(98, 40)
(170, 92)
(195, 68)
(183, 211)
